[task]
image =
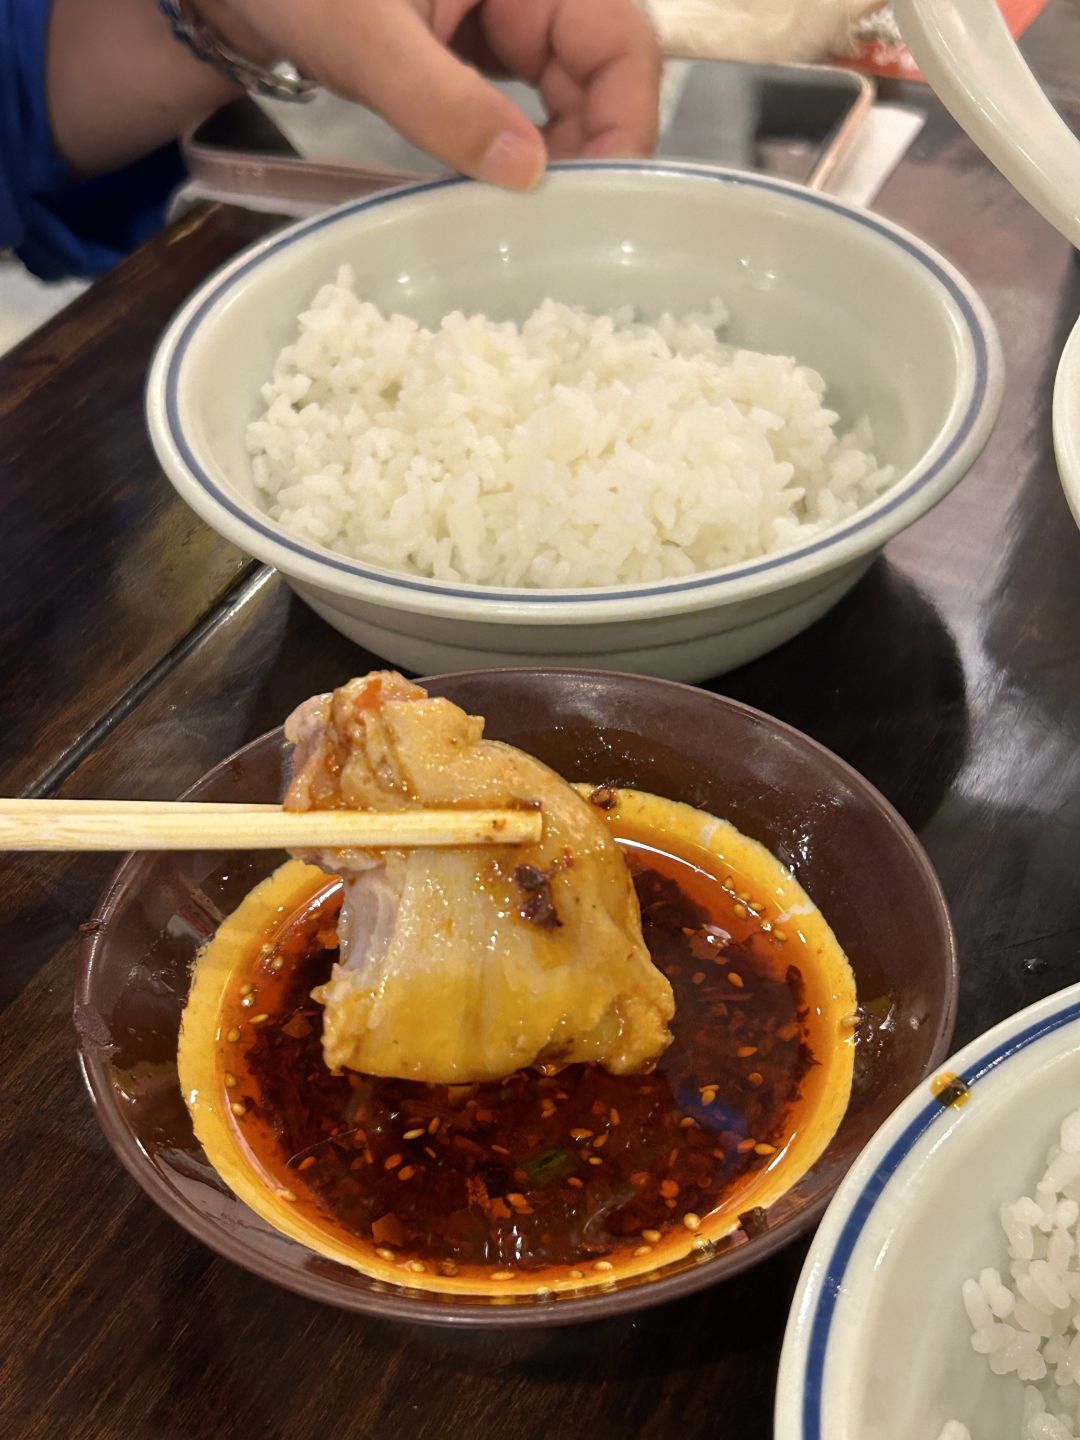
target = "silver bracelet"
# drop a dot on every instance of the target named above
(278, 82)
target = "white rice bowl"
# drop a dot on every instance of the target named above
(940, 1298)
(1027, 1321)
(570, 451)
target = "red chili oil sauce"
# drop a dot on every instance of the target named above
(538, 1169)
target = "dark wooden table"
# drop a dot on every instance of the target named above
(138, 649)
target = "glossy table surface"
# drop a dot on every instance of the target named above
(138, 649)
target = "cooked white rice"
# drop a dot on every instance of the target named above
(571, 450)
(1027, 1323)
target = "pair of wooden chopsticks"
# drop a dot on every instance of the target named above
(193, 825)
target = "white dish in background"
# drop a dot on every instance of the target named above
(899, 335)
(968, 54)
(1067, 421)
(878, 1344)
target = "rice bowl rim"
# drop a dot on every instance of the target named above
(972, 416)
(825, 1289)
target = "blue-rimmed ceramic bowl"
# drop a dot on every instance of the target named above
(878, 1345)
(899, 335)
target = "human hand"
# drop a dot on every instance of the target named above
(595, 63)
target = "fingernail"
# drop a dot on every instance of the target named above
(513, 161)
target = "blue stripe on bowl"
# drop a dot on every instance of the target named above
(913, 485)
(833, 1276)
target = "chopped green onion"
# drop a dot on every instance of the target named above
(549, 1165)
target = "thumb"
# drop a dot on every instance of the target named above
(389, 60)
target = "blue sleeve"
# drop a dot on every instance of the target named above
(59, 225)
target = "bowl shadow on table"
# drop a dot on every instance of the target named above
(718, 1345)
(657, 1373)
(1017, 820)
(879, 680)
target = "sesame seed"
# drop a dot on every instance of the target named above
(740, 910)
(384, 1254)
(652, 1236)
(406, 1172)
(613, 1115)
(246, 989)
(433, 1127)
(687, 1122)
(543, 1292)
(238, 1107)
(502, 1275)
(259, 1019)
(779, 934)
(233, 1036)
(392, 1162)
(289, 1195)
(277, 963)
(736, 979)
(764, 1149)
(708, 1097)
(757, 908)
(729, 882)
(643, 1250)
(575, 1183)
(691, 1221)
(743, 894)
(430, 1153)
(600, 1142)
(576, 1274)
(669, 1189)
(745, 1145)
(416, 1266)
(499, 1150)
(698, 977)
(595, 1160)
(756, 1078)
(581, 1134)
(745, 1050)
(515, 1198)
(603, 1265)
(306, 1163)
(230, 1080)
(414, 1134)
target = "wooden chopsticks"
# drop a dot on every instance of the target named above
(195, 825)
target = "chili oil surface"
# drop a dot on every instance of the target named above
(563, 1172)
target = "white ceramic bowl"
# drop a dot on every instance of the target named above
(899, 335)
(1067, 421)
(878, 1345)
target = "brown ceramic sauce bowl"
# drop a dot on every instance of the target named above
(845, 844)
